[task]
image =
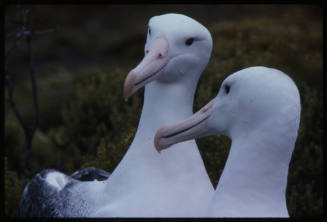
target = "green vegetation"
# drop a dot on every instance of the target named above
(84, 120)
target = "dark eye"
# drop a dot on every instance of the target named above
(227, 88)
(189, 41)
(149, 31)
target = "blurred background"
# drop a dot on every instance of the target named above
(81, 55)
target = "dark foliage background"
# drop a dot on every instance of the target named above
(80, 71)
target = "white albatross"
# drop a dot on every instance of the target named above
(173, 184)
(145, 183)
(259, 109)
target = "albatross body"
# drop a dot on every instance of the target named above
(259, 109)
(175, 183)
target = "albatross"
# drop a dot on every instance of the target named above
(145, 183)
(175, 183)
(259, 109)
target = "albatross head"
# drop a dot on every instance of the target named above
(248, 100)
(176, 45)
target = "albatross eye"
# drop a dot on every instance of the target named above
(227, 89)
(189, 41)
(149, 31)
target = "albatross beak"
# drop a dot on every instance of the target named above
(195, 126)
(154, 61)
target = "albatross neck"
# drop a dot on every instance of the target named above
(165, 103)
(254, 180)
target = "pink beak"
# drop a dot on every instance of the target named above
(193, 127)
(154, 61)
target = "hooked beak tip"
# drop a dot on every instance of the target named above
(156, 141)
(128, 85)
(159, 148)
(157, 138)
